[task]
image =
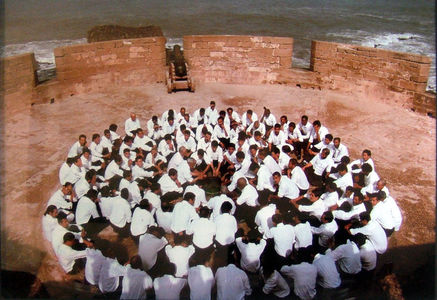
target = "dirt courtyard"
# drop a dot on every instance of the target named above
(36, 141)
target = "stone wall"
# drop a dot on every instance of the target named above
(350, 67)
(237, 59)
(18, 78)
(133, 62)
(382, 74)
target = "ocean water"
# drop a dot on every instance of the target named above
(408, 26)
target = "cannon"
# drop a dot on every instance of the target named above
(178, 73)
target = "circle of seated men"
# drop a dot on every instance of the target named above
(292, 207)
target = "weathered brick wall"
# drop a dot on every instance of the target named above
(18, 73)
(354, 65)
(17, 80)
(133, 61)
(237, 59)
(425, 103)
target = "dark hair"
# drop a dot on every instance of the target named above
(337, 139)
(329, 137)
(292, 124)
(92, 194)
(113, 127)
(68, 236)
(82, 136)
(366, 168)
(317, 123)
(240, 155)
(226, 207)
(144, 204)
(286, 149)
(124, 193)
(304, 117)
(328, 216)
(90, 174)
(359, 239)
(276, 174)
(277, 125)
(365, 216)
(95, 135)
(381, 195)
(277, 218)
(204, 212)
(172, 172)
(345, 160)
(231, 145)
(50, 209)
(136, 262)
(61, 216)
(189, 196)
(105, 191)
(214, 143)
(368, 152)
(318, 192)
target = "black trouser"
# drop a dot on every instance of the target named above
(79, 265)
(246, 213)
(94, 226)
(314, 179)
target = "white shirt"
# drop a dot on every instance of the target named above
(96, 151)
(81, 187)
(154, 200)
(328, 276)
(316, 209)
(320, 165)
(369, 182)
(130, 125)
(368, 256)
(304, 235)
(135, 283)
(249, 195)
(179, 255)
(344, 181)
(75, 149)
(200, 194)
(250, 254)
(148, 248)
(329, 199)
(232, 283)
(109, 275)
(142, 142)
(189, 144)
(121, 212)
(140, 172)
(271, 164)
(85, 209)
(276, 284)
(184, 172)
(339, 153)
(325, 232)
(394, 211)
(141, 220)
(48, 224)
(215, 155)
(382, 215)
(375, 234)
(348, 257)
(270, 120)
(323, 131)
(106, 206)
(287, 188)
(226, 227)
(305, 130)
(355, 211)
(94, 262)
(261, 128)
(113, 169)
(67, 256)
(304, 277)
(263, 219)
(183, 214)
(277, 140)
(168, 287)
(245, 120)
(164, 220)
(168, 185)
(201, 280)
(58, 236)
(175, 161)
(265, 179)
(283, 235)
(299, 178)
(58, 200)
(211, 115)
(134, 194)
(203, 231)
(215, 203)
(64, 172)
(219, 132)
(200, 128)
(164, 148)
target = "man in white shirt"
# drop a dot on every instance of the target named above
(248, 118)
(340, 150)
(316, 208)
(63, 199)
(269, 120)
(293, 137)
(211, 114)
(327, 230)
(327, 274)
(142, 141)
(321, 164)
(113, 168)
(121, 214)
(284, 238)
(72, 261)
(251, 247)
(347, 257)
(317, 133)
(381, 214)
(77, 148)
(221, 133)
(226, 226)
(170, 185)
(373, 231)
(305, 129)
(131, 124)
(256, 126)
(304, 276)
(135, 281)
(179, 254)
(149, 245)
(203, 231)
(247, 202)
(276, 137)
(167, 286)
(287, 189)
(201, 281)
(87, 214)
(297, 175)
(183, 214)
(232, 283)
(263, 218)
(61, 229)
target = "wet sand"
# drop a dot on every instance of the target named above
(36, 141)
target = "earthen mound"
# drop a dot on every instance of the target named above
(116, 32)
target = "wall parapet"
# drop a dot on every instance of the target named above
(83, 68)
(237, 59)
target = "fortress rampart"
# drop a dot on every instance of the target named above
(389, 75)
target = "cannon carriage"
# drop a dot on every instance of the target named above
(178, 73)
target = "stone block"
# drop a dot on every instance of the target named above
(282, 52)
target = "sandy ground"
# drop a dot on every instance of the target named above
(36, 141)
